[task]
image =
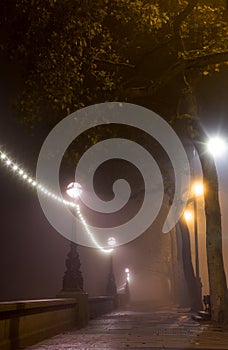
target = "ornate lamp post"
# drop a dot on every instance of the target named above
(127, 289)
(198, 191)
(111, 285)
(189, 216)
(73, 280)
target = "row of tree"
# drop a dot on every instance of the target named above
(74, 53)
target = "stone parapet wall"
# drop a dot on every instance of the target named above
(23, 323)
(101, 305)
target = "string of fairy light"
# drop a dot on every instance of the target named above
(23, 175)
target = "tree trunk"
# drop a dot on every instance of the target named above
(195, 297)
(216, 272)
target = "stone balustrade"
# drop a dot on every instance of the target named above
(23, 323)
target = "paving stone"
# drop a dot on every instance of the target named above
(166, 328)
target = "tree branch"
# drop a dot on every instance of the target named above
(174, 70)
(176, 30)
(183, 15)
(154, 86)
(124, 64)
(204, 60)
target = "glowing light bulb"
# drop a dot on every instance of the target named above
(74, 189)
(127, 270)
(216, 146)
(111, 241)
(188, 215)
(198, 188)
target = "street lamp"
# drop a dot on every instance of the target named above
(73, 280)
(127, 271)
(111, 285)
(197, 190)
(127, 289)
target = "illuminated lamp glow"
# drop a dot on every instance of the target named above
(198, 188)
(111, 241)
(74, 189)
(216, 146)
(188, 215)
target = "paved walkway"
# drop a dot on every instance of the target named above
(166, 328)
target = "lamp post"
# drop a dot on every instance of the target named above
(111, 285)
(127, 271)
(197, 190)
(73, 280)
(127, 289)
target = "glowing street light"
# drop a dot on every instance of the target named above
(217, 146)
(198, 189)
(127, 274)
(127, 290)
(111, 241)
(188, 215)
(74, 189)
(127, 271)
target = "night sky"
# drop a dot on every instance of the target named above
(32, 253)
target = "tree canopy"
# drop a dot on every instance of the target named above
(76, 53)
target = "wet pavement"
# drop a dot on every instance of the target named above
(164, 328)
